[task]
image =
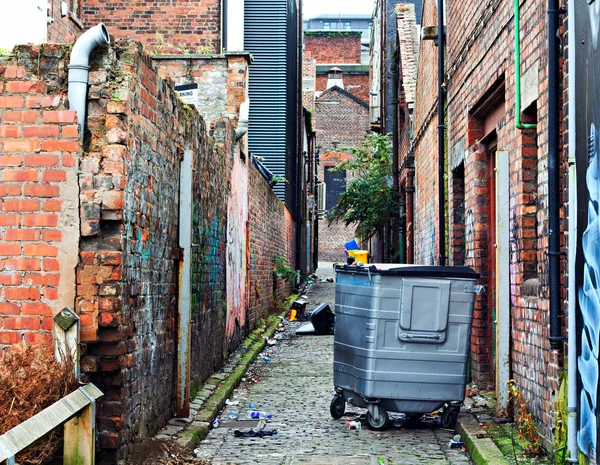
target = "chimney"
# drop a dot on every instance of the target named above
(334, 78)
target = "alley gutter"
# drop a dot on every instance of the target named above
(200, 427)
(483, 450)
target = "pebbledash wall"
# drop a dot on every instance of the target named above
(97, 229)
(481, 122)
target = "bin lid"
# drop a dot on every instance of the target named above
(352, 245)
(424, 271)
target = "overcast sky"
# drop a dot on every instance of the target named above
(312, 8)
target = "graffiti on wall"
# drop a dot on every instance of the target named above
(237, 220)
(587, 152)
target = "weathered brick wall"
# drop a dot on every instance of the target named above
(472, 76)
(39, 232)
(356, 84)
(271, 232)
(128, 272)
(309, 70)
(426, 149)
(64, 29)
(346, 122)
(181, 27)
(333, 47)
(222, 81)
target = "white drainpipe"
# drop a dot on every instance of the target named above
(79, 69)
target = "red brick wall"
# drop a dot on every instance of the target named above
(67, 28)
(180, 27)
(267, 239)
(489, 60)
(426, 151)
(333, 47)
(356, 84)
(348, 123)
(39, 148)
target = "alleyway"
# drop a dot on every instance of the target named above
(296, 387)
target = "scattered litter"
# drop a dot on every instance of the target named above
(233, 415)
(232, 402)
(206, 442)
(271, 342)
(253, 434)
(455, 442)
(252, 406)
(216, 423)
(352, 424)
(470, 392)
(259, 415)
(329, 280)
(267, 359)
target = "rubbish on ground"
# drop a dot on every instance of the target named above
(271, 342)
(308, 328)
(292, 315)
(232, 402)
(216, 423)
(267, 359)
(456, 444)
(329, 280)
(206, 442)
(252, 406)
(323, 319)
(253, 434)
(259, 415)
(233, 415)
(352, 424)
(470, 392)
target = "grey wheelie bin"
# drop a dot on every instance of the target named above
(402, 336)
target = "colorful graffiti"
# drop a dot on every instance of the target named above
(237, 220)
(587, 153)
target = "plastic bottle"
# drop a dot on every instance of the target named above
(255, 415)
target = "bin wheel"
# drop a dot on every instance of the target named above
(449, 416)
(338, 406)
(381, 423)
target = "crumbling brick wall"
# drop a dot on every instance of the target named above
(39, 232)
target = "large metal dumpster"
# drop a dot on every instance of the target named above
(402, 336)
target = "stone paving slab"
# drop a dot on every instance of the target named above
(297, 387)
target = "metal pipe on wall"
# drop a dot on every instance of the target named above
(441, 138)
(79, 70)
(553, 175)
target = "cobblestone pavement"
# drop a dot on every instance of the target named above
(296, 386)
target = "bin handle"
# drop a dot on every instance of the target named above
(436, 337)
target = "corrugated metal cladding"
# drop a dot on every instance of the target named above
(266, 37)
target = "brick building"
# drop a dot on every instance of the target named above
(341, 120)
(94, 225)
(498, 202)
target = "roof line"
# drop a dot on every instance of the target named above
(347, 94)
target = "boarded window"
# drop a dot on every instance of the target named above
(336, 185)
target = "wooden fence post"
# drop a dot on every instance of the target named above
(80, 432)
(66, 336)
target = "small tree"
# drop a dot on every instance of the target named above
(369, 200)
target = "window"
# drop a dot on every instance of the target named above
(326, 25)
(347, 25)
(336, 185)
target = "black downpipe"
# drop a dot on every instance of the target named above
(553, 175)
(441, 133)
(395, 158)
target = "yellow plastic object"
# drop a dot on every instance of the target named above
(361, 256)
(351, 252)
